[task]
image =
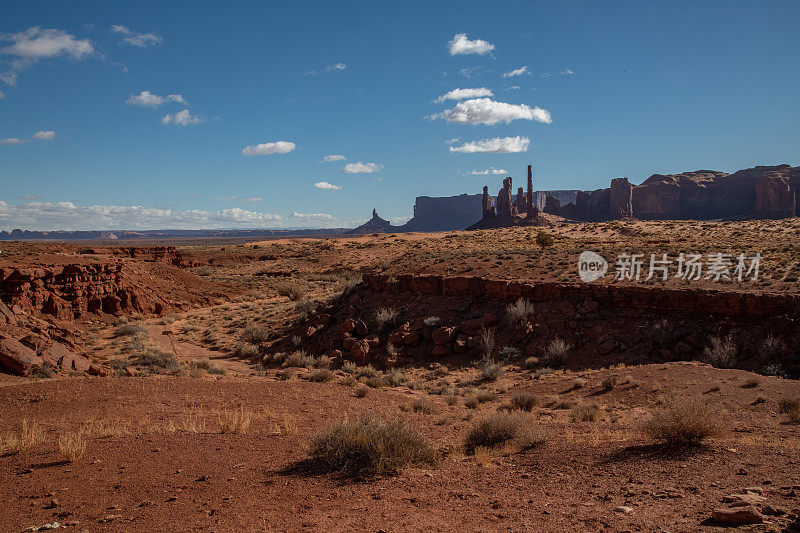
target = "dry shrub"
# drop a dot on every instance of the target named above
(556, 354)
(247, 350)
(491, 370)
(531, 437)
(721, 352)
(791, 408)
(497, 429)
(320, 376)
(386, 318)
(524, 401)
(609, 383)
(487, 342)
(421, 406)
(291, 289)
(584, 412)
(683, 424)
(361, 392)
(578, 383)
(518, 312)
(72, 446)
(751, 383)
(471, 402)
(255, 334)
(298, 359)
(370, 446)
(235, 421)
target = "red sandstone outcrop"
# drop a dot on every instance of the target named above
(759, 192)
(775, 197)
(621, 198)
(17, 358)
(67, 292)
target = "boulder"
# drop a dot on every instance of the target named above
(473, 326)
(359, 352)
(6, 316)
(60, 357)
(443, 335)
(360, 327)
(17, 358)
(738, 516)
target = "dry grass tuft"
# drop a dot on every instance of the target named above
(721, 352)
(683, 424)
(28, 436)
(72, 446)
(235, 421)
(584, 412)
(556, 354)
(524, 401)
(370, 446)
(791, 408)
(493, 431)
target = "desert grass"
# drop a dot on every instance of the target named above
(517, 313)
(524, 401)
(493, 431)
(235, 421)
(30, 434)
(72, 446)
(369, 446)
(556, 354)
(721, 352)
(683, 424)
(584, 412)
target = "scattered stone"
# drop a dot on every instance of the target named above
(748, 498)
(624, 509)
(773, 510)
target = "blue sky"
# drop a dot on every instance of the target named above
(609, 89)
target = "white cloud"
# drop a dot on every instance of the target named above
(490, 170)
(312, 216)
(516, 72)
(68, 216)
(142, 40)
(29, 197)
(565, 72)
(329, 68)
(486, 111)
(513, 88)
(277, 147)
(361, 168)
(2, 95)
(462, 45)
(497, 145)
(333, 157)
(148, 99)
(44, 135)
(35, 43)
(452, 141)
(471, 72)
(38, 136)
(253, 200)
(325, 186)
(461, 94)
(181, 118)
(13, 140)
